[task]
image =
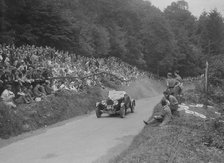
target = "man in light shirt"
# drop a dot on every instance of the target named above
(7, 96)
(164, 116)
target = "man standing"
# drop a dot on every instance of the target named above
(179, 80)
(171, 82)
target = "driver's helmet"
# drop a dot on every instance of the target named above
(158, 117)
(169, 74)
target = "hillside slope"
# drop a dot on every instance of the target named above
(187, 138)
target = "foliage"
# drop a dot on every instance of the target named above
(216, 78)
(210, 33)
(133, 30)
(183, 26)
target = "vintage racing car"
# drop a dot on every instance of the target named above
(117, 103)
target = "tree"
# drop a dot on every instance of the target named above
(134, 53)
(93, 40)
(6, 33)
(182, 4)
(183, 25)
(117, 41)
(158, 44)
(216, 78)
(210, 33)
(102, 41)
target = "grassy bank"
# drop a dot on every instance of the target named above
(183, 140)
(187, 138)
(55, 108)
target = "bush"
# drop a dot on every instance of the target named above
(196, 95)
(216, 79)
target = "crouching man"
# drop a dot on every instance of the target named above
(172, 102)
(164, 116)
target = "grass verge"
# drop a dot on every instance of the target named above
(63, 105)
(186, 139)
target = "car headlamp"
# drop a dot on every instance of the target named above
(104, 102)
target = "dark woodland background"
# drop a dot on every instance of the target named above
(133, 30)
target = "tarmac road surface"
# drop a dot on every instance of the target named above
(82, 140)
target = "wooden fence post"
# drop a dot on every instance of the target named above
(206, 85)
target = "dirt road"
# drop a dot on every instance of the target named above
(83, 140)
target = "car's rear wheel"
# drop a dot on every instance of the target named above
(122, 111)
(133, 106)
(98, 112)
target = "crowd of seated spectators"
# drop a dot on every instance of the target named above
(30, 73)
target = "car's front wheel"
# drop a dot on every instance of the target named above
(98, 112)
(133, 106)
(122, 111)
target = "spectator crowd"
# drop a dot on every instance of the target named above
(30, 73)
